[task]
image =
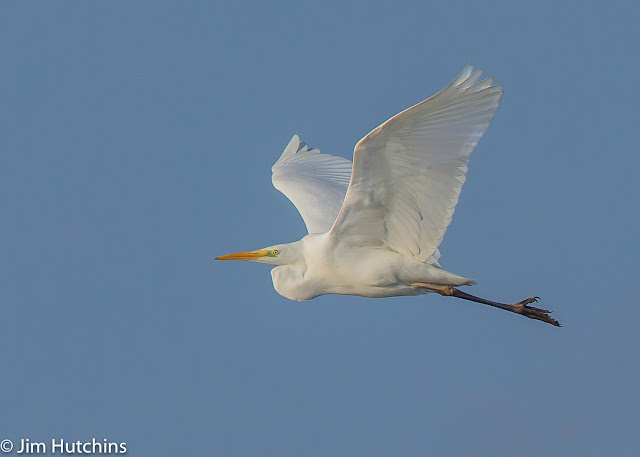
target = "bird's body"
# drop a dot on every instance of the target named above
(325, 266)
(375, 224)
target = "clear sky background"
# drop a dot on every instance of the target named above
(136, 144)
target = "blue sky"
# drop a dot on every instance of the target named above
(137, 140)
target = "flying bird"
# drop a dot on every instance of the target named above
(375, 224)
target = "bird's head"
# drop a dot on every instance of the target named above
(280, 254)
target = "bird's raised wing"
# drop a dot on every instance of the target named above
(408, 172)
(315, 183)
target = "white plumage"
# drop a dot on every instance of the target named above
(315, 183)
(375, 225)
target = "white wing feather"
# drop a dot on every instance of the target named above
(315, 183)
(408, 172)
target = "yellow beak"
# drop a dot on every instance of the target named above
(249, 255)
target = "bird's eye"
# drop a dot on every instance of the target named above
(275, 252)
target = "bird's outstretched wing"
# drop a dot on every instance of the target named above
(408, 172)
(315, 183)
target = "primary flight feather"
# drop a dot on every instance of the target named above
(375, 224)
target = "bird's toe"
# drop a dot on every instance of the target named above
(535, 313)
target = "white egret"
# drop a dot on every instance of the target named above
(375, 225)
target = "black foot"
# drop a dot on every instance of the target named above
(534, 313)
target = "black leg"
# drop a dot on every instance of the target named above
(519, 308)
